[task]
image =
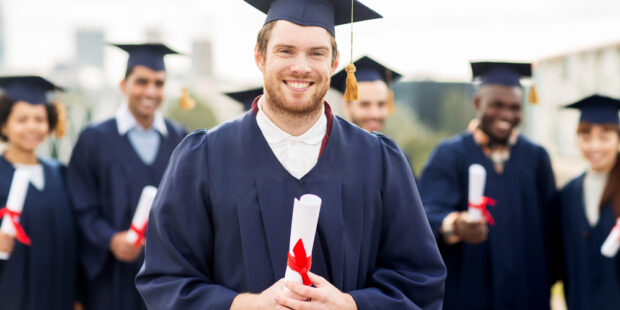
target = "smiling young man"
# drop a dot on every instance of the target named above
(500, 266)
(375, 100)
(111, 163)
(219, 229)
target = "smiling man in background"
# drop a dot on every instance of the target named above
(376, 98)
(500, 266)
(111, 163)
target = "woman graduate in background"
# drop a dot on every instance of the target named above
(590, 205)
(42, 275)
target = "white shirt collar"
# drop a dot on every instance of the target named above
(273, 133)
(125, 121)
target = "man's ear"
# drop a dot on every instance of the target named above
(259, 58)
(336, 62)
(122, 85)
(477, 102)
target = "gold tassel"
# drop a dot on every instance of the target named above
(390, 101)
(351, 93)
(186, 102)
(61, 124)
(390, 98)
(533, 95)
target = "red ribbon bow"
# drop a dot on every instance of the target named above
(482, 206)
(20, 234)
(300, 263)
(141, 232)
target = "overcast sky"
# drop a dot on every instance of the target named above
(421, 39)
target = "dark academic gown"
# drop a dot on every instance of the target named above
(591, 280)
(509, 270)
(221, 222)
(41, 276)
(106, 177)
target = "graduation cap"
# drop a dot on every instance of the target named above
(504, 73)
(597, 109)
(321, 13)
(33, 89)
(150, 55)
(368, 70)
(246, 97)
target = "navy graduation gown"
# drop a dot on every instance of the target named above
(508, 271)
(106, 177)
(41, 276)
(591, 280)
(220, 224)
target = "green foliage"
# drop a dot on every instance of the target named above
(201, 116)
(415, 139)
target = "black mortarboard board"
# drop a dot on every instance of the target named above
(503, 73)
(150, 55)
(321, 13)
(367, 70)
(246, 97)
(31, 89)
(597, 109)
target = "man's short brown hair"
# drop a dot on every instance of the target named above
(265, 34)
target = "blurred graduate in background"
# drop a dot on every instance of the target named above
(111, 164)
(590, 205)
(41, 275)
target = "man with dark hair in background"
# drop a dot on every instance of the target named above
(111, 164)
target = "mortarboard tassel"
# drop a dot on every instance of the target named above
(390, 101)
(533, 95)
(186, 102)
(351, 92)
(390, 98)
(61, 124)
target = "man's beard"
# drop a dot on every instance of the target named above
(278, 101)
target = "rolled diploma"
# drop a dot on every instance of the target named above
(15, 203)
(612, 243)
(477, 179)
(141, 215)
(305, 218)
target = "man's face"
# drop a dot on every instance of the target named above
(144, 89)
(371, 109)
(296, 67)
(498, 108)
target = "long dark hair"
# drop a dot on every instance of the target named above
(611, 193)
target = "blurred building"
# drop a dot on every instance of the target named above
(563, 79)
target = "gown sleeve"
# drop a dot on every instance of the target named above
(439, 187)
(82, 179)
(177, 271)
(409, 272)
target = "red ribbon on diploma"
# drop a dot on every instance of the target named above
(141, 232)
(300, 263)
(20, 234)
(482, 206)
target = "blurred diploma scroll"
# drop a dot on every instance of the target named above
(140, 218)
(477, 179)
(14, 204)
(612, 243)
(303, 229)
